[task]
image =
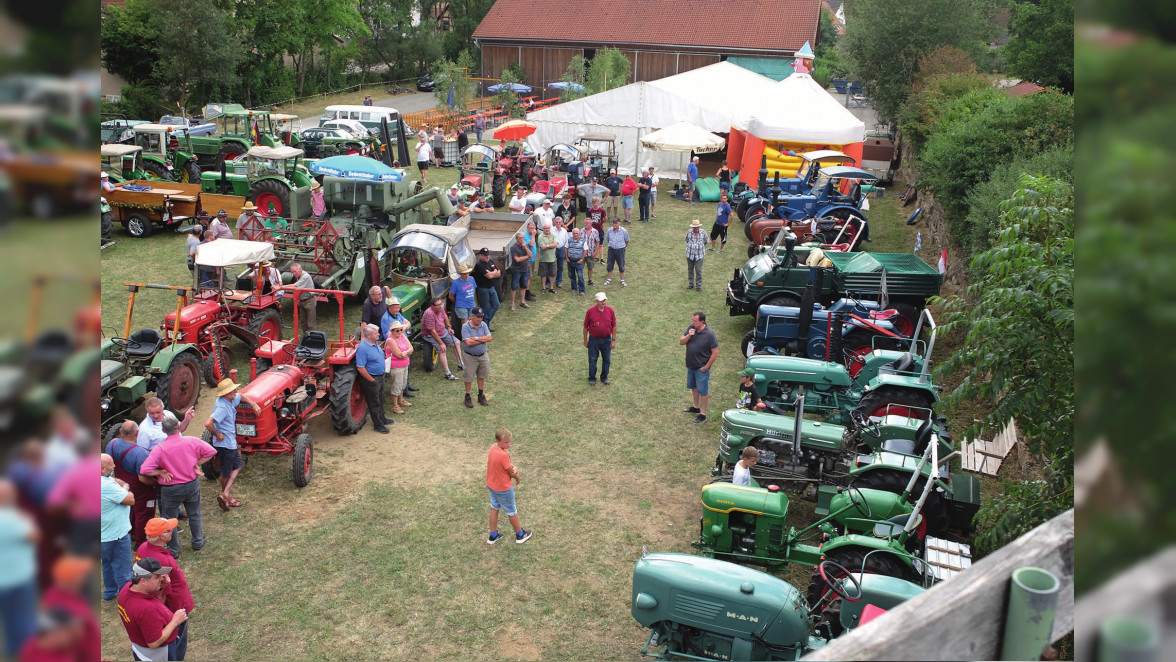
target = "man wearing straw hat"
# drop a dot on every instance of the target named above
(247, 212)
(695, 253)
(318, 206)
(222, 423)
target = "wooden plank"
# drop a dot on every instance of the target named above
(963, 619)
(1144, 591)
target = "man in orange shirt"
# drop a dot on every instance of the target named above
(499, 473)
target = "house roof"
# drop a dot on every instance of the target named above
(1023, 89)
(756, 25)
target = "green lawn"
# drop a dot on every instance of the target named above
(383, 555)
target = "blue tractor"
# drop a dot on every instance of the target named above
(824, 199)
(815, 332)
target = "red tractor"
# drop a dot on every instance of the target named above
(295, 382)
(506, 170)
(216, 300)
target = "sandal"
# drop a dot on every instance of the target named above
(235, 502)
(397, 410)
(220, 501)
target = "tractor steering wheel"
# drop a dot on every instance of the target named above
(828, 568)
(126, 343)
(865, 424)
(859, 502)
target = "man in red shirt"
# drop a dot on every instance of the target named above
(499, 473)
(176, 594)
(70, 574)
(600, 336)
(150, 625)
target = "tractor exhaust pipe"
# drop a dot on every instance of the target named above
(806, 308)
(796, 425)
(763, 175)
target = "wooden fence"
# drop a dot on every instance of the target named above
(493, 115)
(1146, 592)
(963, 618)
(978, 456)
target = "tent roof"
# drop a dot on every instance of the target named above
(115, 149)
(232, 252)
(274, 153)
(798, 109)
(682, 137)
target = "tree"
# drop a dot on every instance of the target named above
(1041, 42)
(467, 15)
(609, 69)
(826, 33)
(506, 98)
(128, 44)
(455, 75)
(194, 72)
(1018, 353)
(575, 73)
(884, 41)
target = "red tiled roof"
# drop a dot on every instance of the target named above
(734, 24)
(1023, 89)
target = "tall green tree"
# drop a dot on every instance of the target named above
(826, 33)
(467, 15)
(128, 42)
(456, 76)
(1018, 353)
(318, 23)
(194, 73)
(505, 98)
(1041, 42)
(575, 73)
(884, 41)
(609, 69)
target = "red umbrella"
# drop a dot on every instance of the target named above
(514, 130)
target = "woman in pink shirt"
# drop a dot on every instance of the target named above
(398, 349)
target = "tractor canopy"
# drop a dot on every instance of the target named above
(233, 252)
(438, 241)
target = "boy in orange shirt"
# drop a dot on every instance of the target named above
(499, 473)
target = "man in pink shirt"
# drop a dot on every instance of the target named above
(175, 462)
(436, 330)
(78, 494)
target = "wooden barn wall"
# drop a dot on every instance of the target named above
(555, 62)
(497, 58)
(652, 65)
(687, 62)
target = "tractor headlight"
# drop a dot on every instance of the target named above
(247, 429)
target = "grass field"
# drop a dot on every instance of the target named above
(383, 555)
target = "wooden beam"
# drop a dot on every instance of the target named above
(1145, 591)
(963, 618)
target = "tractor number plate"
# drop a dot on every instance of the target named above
(246, 430)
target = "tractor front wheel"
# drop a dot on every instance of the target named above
(179, 387)
(347, 404)
(430, 357)
(269, 193)
(303, 460)
(498, 190)
(755, 212)
(212, 466)
(216, 362)
(158, 170)
(190, 173)
(749, 343)
(138, 225)
(741, 208)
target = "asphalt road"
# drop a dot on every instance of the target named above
(408, 103)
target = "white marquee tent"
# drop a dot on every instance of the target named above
(708, 97)
(797, 109)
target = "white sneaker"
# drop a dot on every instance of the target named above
(624, 284)
(608, 281)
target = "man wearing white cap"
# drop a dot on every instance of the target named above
(600, 337)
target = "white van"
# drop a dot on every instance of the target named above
(368, 116)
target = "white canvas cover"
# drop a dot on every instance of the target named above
(233, 252)
(683, 137)
(274, 153)
(706, 97)
(797, 109)
(115, 149)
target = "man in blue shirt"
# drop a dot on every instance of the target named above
(116, 530)
(369, 363)
(461, 292)
(613, 201)
(692, 179)
(222, 423)
(617, 239)
(722, 220)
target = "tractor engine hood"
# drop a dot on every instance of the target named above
(754, 424)
(718, 597)
(725, 497)
(112, 373)
(265, 389)
(797, 370)
(757, 267)
(193, 314)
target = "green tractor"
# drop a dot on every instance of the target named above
(168, 152)
(124, 163)
(267, 176)
(238, 129)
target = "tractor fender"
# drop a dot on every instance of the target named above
(275, 178)
(831, 210)
(884, 382)
(77, 366)
(868, 543)
(357, 273)
(163, 360)
(883, 505)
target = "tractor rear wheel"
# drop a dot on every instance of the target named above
(741, 208)
(878, 403)
(347, 404)
(935, 513)
(303, 460)
(498, 190)
(430, 357)
(212, 466)
(179, 387)
(851, 559)
(266, 325)
(228, 152)
(755, 212)
(908, 318)
(138, 225)
(216, 361)
(270, 193)
(190, 173)
(749, 343)
(157, 169)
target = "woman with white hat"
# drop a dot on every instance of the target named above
(398, 350)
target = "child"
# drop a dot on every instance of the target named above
(722, 220)
(743, 467)
(747, 388)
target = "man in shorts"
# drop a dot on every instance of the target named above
(222, 423)
(702, 348)
(438, 333)
(520, 270)
(722, 220)
(499, 474)
(617, 239)
(475, 341)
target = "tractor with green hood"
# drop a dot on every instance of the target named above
(168, 152)
(267, 177)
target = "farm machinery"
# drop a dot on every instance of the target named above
(124, 163)
(268, 177)
(818, 332)
(238, 129)
(303, 379)
(832, 208)
(600, 154)
(167, 152)
(46, 175)
(506, 170)
(760, 200)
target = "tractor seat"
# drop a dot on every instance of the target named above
(894, 526)
(904, 446)
(541, 186)
(51, 347)
(148, 341)
(314, 345)
(904, 363)
(880, 314)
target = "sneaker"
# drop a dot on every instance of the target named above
(604, 380)
(493, 538)
(451, 377)
(482, 400)
(624, 284)
(383, 430)
(720, 249)
(522, 536)
(608, 282)
(592, 382)
(701, 418)
(690, 287)
(525, 304)
(710, 248)
(469, 402)
(512, 306)
(591, 283)
(691, 410)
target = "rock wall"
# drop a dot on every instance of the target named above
(936, 227)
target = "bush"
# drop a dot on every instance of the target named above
(822, 74)
(938, 95)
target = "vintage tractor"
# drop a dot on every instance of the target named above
(116, 128)
(217, 313)
(478, 167)
(167, 152)
(506, 169)
(124, 163)
(600, 154)
(759, 200)
(706, 609)
(238, 130)
(830, 233)
(303, 380)
(821, 333)
(267, 177)
(825, 200)
(870, 379)
(146, 361)
(49, 177)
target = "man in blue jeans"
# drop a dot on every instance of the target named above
(487, 275)
(18, 582)
(116, 530)
(692, 179)
(702, 348)
(600, 337)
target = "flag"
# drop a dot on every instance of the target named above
(943, 262)
(256, 135)
(885, 302)
(918, 241)
(449, 101)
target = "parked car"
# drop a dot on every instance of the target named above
(426, 83)
(353, 127)
(195, 127)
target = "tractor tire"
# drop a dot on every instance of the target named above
(179, 387)
(347, 404)
(741, 209)
(876, 402)
(908, 318)
(852, 559)
(190, 173)
(755, 212)
(303, 460)
(430, 357)
(856, 344)
(84, 397)
(270, 192)
(780, 300)
(212, 466)
(106, 229)
(158, 170)
(935, 513)
(267, 325)
(110, 432)
(263, 365)
(498, 190)
(214, 358)
(228, 152)
(749, 343)
(138, 225)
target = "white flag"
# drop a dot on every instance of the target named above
(918, 241)
(943, 262)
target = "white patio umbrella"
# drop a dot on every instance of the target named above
(683, 137)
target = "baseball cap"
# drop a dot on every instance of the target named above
(547, 201)
(747, 372)
(222, 213)
(483, 251)
(601, 296)
(70, 568)
(158, 526)
(149, 566)
(477, 311)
